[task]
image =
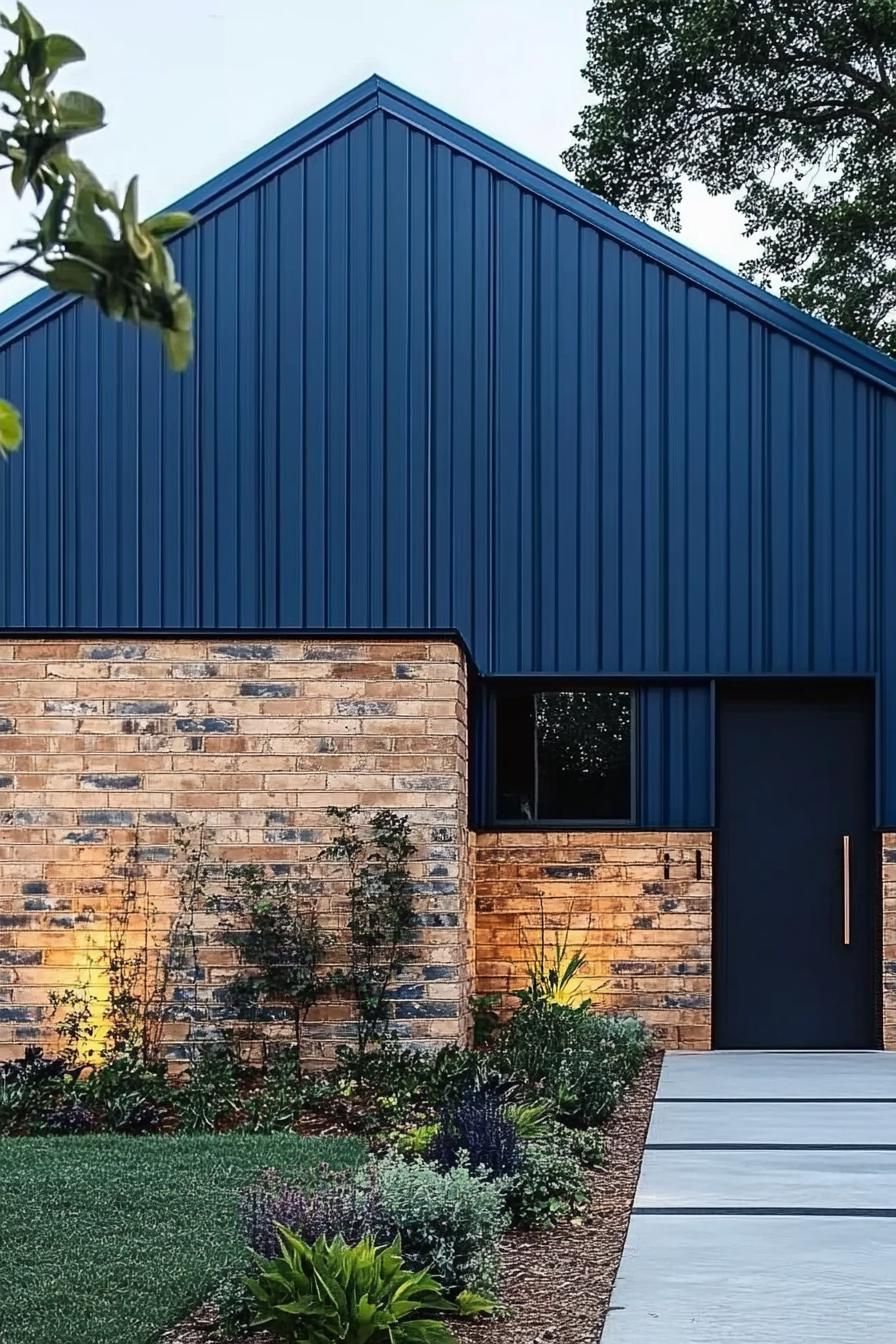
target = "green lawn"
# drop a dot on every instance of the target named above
(107, 1240)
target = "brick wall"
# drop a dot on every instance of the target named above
(888, 859)
(635, 905)
(254, 738)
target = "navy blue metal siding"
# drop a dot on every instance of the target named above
(425, 396)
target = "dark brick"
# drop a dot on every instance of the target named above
(289, 835)
(436, 888)
(562, 870)
(402, 672)
(106, 816)
(92, 837)
(38, 903)
(669, 904)
(425, 783)
(34, 888)
(339, 653)
(268, 690)
(20, 956)
(154, 853)
(435, 921)
(14, 922)
(79, 707)
(429, 1008)
(187, 671)
(440, 973)
(21, 1014)
(686, 1000)
(401, 992)
(363, 709)
(7, 781)
(276, 818)
(326, 745)
(126, 653)
(30, 816)
(160, 818)
(246, 653)
(210, 725)
(63, 922)
(7, 726)
(633, 967)
(442, 834)
(643, 922)
(110, 781)
(140, 708)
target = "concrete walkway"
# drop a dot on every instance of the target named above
(766, 1208)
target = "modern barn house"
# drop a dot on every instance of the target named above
(487, 503)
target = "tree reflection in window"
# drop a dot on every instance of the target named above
(563, 755)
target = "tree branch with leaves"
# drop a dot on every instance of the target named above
(85, 240)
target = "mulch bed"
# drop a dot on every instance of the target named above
(555, 1286)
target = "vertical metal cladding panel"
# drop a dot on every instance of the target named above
(675, 765)
(425, 395)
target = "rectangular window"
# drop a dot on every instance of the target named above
(563, 756)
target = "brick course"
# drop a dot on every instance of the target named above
(634, 904)
(254, 738)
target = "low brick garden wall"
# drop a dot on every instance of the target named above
(253, 739)
(638, 904)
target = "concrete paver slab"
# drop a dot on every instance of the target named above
(768, 1179)
(691, 1279)
(706, 1122)
(758, 1074)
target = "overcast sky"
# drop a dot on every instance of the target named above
(191, 86)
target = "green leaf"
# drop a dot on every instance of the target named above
(162, 226)
(61, 50)
(68, 276)
(178, 348)
(10, 428)
(79, 112)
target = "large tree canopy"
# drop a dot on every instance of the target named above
(789, 103)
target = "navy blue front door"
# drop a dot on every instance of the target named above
(796, 930)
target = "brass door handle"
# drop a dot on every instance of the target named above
(846, 892)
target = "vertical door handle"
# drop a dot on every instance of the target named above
(846, 892)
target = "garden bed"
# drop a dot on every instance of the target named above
(555, 1286)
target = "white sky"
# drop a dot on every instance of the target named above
(191, 86)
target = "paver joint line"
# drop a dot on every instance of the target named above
(770, 1147)
(744, 1211)
(775, 1101)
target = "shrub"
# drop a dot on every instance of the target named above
(211, 1093)
(451, 1221)
(128, 1095)
(580, 1060)
(359, 1294)
(340, 1206)
(478, 1129)
(548, 1186)
(448, 1221)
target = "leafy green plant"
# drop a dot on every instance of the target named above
(486, 1017)
(272, 922)
(547, 1187)
(327, 1291)
(451, 1221)
(275, 1101)
(552, 968)
(531, 1119)
(581, 1061)
(211, 1094)
(381, 912)
(128, 1095)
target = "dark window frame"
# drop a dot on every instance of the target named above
(492, 691)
